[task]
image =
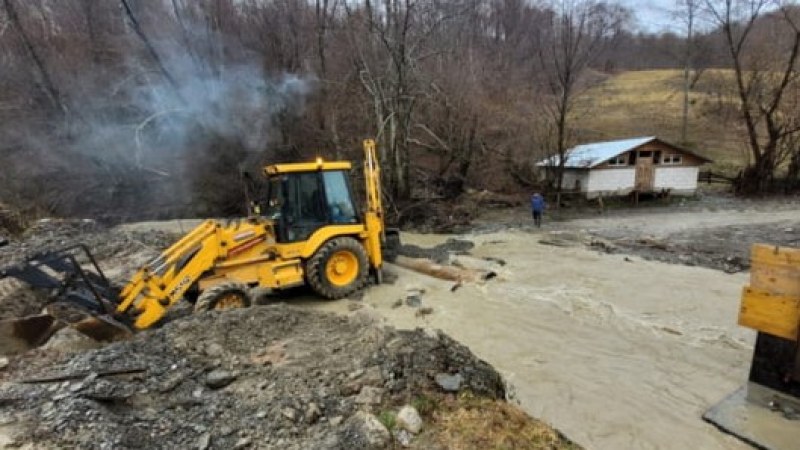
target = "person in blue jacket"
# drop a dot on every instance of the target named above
(537, 206)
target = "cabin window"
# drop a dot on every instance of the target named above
(645, 154)
(618, 160)
(632, 159)
(672, 159)
(657, 157)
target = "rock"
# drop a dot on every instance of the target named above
(106, 391)
(431, 333)
(413, 300)
(368, 431)
(372, 376)
(367, 317)
(356, 373)
(335, 421)
(242, 443)
(351, 388)
(171, 382)
(219, 378)
(3, 362)
(449, 383)
(312, 413)
(289, 413)
(91, 377)
(369, 395)
(261, 414)
(354, 306)
(215, 350)
(403, 437)
(204, 442)
(409, 419)
(398, 303)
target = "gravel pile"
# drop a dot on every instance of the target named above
(263, 377)
(724, 248)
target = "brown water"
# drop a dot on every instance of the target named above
(615, 354)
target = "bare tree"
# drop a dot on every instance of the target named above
(689, 9)
(764, 75)
(46, 80)
(577, 33)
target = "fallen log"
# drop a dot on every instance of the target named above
(451, 273)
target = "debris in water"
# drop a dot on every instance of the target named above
(424, 311)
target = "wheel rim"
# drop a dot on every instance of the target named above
(230, 300)
(342, 268)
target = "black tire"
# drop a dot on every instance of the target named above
(391, 245)
(317, 275)
(211, 297)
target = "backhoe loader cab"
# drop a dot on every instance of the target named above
(300, 201)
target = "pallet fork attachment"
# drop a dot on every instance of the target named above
(80, 295)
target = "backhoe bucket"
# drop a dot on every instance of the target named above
(81, 298)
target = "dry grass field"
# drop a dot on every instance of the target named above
(649, 103)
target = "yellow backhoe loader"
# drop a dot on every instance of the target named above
(765, 411)
(311, 232)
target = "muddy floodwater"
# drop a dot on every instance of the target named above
(615, 354)
(615, 351)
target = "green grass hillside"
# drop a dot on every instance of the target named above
(643, 103)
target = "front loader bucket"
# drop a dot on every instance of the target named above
(20, 335)
(100, 327)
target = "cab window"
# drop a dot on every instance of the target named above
(297, 204)
(339, 201)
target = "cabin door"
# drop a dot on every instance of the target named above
(645, 172)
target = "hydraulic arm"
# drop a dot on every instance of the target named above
(164, 281)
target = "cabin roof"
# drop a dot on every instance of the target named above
(587, 156)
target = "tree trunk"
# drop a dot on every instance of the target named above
(47, 84)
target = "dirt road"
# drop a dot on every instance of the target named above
(615, 351)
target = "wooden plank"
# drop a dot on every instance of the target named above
(778, 315)
(78, 375)
(775, 269)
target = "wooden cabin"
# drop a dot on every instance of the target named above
(642, 165)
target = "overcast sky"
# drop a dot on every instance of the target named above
(656, 15)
